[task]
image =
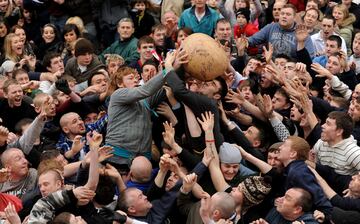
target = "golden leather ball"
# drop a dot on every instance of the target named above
(207, 59)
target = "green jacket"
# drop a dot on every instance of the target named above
(346, 30)
(126, 49)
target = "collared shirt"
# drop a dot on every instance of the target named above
(64, 144)
(319, 43)
(344, 156)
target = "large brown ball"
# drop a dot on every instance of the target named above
(207, 59)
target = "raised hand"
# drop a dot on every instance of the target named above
(235, 97)
(84, 195)
(319, 216)
(265, 105)
(181, 58)
(277, 76)
(322, 72)
(105, 152)
(94, 139)
(4, 132)
(170, 95)
(205, 209)
(11, 214)
(206, 121)
(78, 144)
(241, 44)
(111, 172)
(45, 108)
(267, 53)
(301, 33)
(164, 164)
(208, 156)
(165, 110)
(4, 175)
(189, 182)
(169, 134)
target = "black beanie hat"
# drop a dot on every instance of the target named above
(83, 46)
(245, 12)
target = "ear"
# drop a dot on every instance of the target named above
(256, 144)
(59, 183)
(298, 210)
(48, 68)
(339, 131)
(66, 130)
(217, 96)
(131, 209)
(216, 215)
(293, 154)
(120, 85)
(37, 109)
(138, 50)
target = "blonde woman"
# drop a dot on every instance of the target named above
(13, 47)
(344, 21)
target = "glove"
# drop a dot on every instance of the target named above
(63, 86)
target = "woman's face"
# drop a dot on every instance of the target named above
(4, 5)
(3, 30)
(310, 18)
(240, 4)
(17, 45)
(311, 5)
(338, 15)
(18, 3)
(48, 34)
(181, 37)
(21, 33)
(70, 36)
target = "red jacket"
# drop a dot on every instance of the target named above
(248, 31)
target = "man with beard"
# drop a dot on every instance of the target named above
(72, 142)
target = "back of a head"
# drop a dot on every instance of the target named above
(301, 146)
(62, 218)
(305, 201)
(224, 203)
(141, 169)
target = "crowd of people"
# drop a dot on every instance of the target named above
(100, 121)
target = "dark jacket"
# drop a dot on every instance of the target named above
(299, 175)
(73, 70)
(196, 102)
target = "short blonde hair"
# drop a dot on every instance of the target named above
(114, 57)
(76, 20)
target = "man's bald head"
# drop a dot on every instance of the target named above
(141, 169)
(224, 204)
(6, 155)
(66, 118)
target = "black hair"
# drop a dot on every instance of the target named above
(71, 27)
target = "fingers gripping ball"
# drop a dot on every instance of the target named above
(207, 59)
